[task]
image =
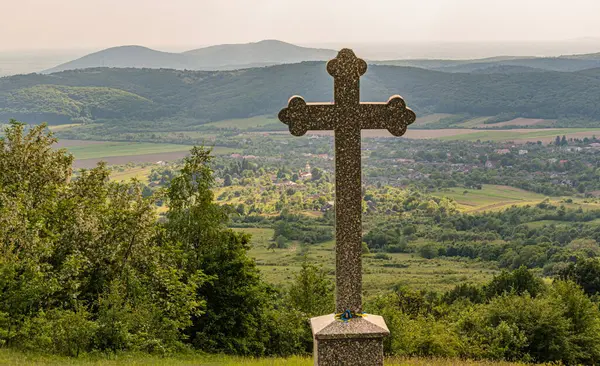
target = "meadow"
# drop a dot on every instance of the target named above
(522, 135)
(243, 123)
(108, 149)
(10, 357)
(279, 266)
(495, 198)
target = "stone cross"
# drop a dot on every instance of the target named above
(347, 116)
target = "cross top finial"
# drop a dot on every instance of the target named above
(347, 66)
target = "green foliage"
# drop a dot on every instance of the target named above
(560, 324)
(585, 273)
(312, 291)
(145, 94)
(518, 282)
(86, 264)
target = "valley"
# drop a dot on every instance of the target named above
(188, 203)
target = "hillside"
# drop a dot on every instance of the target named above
(259, 53)
(274, 52)
(564, 63)
(221, 57)
(204, 96)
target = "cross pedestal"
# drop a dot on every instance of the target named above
(348, 337)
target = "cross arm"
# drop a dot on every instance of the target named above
(302, 117)
(393, 116)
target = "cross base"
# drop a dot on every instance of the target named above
(356, 342)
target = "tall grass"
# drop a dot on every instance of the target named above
(11, 357)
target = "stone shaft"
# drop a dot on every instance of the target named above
(348, 212)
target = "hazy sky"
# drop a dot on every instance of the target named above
(32, 24)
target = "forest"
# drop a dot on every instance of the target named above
(89, 265)
(173, 97)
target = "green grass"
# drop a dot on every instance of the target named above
(122, 149)
(11, 357)
(431, 118)
(133, 148)
(508, 135)
(475, 122)
(495, 197)
(244, 123)
(138, 173)
(542, 223)
(279, 266)
(55, 128)
(490, 197)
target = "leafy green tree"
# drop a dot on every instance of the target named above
(67, 244)
(585, 273)
(518, 282)
(317, 173)
(312, 291)
(236, 298)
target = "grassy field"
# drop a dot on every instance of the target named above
(10, 357)
(473, 123)
(494, 198)
(244, 123)
(519, 136)
(55, 128)
(522, 135)
(431, 118)
(138, 173)
(110, 149)
(279, 266)
(122, 149)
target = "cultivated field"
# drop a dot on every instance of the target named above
(519, 136)
(431, 118)
(495, 198)
(126, 175)
(521, 122)
(89, 153)
(244, 123)
(108, 149)
(516, 135)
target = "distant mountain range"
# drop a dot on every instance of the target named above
(273, 52)
(505, 64)
(127, 96)
(221, 57)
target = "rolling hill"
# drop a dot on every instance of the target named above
(221, 57)
(129, 95)
(273, 52)
(563, 63)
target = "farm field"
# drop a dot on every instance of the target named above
(495, 198)
(279, 266)
(519, 136)
(109, 149)
(473, 123)
(89, 153)
(243, 123)
(431, 118)
(521, 122)
(138, 173)
(10, 357)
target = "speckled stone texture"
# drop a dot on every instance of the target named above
(347, 116)
(356, 342)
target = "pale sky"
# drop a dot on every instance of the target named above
(62, 24)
